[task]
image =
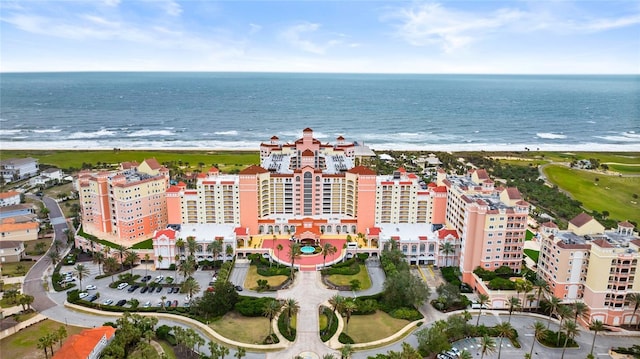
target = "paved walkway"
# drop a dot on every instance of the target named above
(310, 293)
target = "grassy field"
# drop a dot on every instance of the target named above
(603, 157)
(250, 330)
(251, 281)
(625, 169)
(23, 344)
(225, 160)
(608, 193)
(362, 276)
(360, 326)
(12, 269)
(168, 349)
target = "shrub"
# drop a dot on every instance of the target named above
(345, 339)
(501, 284)
(252, 306)
(368, 306)
(409, 314)
(163, 331)
(450, 274)
(352, 269)
(273, 271)
(329, 332)
(284, 330)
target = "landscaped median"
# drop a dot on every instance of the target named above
(192, 322)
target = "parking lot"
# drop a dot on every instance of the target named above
(150, 297)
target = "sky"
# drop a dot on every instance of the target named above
(478, 37)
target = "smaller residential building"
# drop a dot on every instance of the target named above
(11, 251)
(9, 198)
(12, 230)
(18, 210)
(15, 169)
(86, 345)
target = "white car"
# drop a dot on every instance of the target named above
(159, 278)
(108, 302)
(147, 304)
(187, 299)
(122, 286)
(91, 287)
(83, 295)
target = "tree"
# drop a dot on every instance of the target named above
(187, 267)
(433, 339)
(61, 333)
(215, 248)
(402, 288)
(564, 312)
(54, 256)
(571, 331)
(160, 259)
(514, 304)
(25, 301)
(270, 310)
(328, 249)
(554, 305)
(111, 265)
(190, 286)
(81, 272)
(121, 249)
(579, 310)
(214, 348)
(279, 248)
(487, 346)
(346, 351)
(98, 258)
(539, 333)
(43, 344)
(541, 287)
(162, 300)
(291, 308)
(294, 252)
(634, 299)
(482, 300)
(147, 258)
(130, 259)
(465, 355)
(348, 308)
(596, 326)
(447, 248)
(505, 330)
(240, 352)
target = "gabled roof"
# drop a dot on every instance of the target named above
(625, 224)
(374, 231)
(253, 170)
(213, 170)
(549, 225)
(241, 231)
(602, 243)
(307, 130)
(9, 194)
(444, 233)
(362, 170)
(129, 165)
(152, 163)
(79, 346)
(173, 189)
(169, 233)
(513, 193)
(581, 219)
(307, 153)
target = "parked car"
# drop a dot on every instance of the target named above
(146, 278)
(159, 289)
(122, 286)
(108, 302)
(91, 287)
(92, 298)
(476, 305)
(187, 299)
(167, 304)
(144, 289)
(174, 304)
(83, 295)
(121, 302)
(238, 288)
(133, 288)
(147, 304)
(159, 278)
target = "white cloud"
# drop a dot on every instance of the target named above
(298, 37)
(433, 24)
(609, 24)
(112, 3)
(254, 28)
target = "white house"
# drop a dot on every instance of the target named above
(9, 198)
(15, 169)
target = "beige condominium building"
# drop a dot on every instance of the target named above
(596, 266)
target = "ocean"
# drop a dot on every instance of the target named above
(241, 110)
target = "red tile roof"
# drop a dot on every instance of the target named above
(153, 163)
(549, 225)
(602, 243)
(625, 224)
(128, 165)
(513, 193)
(581, 219)
(274, 138)
(9, 194)
(374, 231)
(307, 130)
(444, 233)
(213, 170)
(440, 189)
(482, 174)
(253, 170)
(173, 189)
(241, 231)
(81, 345)
(362, 170)
(340, 138)
(169, 233)
(307, 153)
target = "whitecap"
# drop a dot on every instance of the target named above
(622, 138)
(549, 135)
(9, 132)
(227, 133)
(147, 133)
(96, 134)
(48, 130)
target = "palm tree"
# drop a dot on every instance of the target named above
(190, 286)
(61, 333)
(564, 312)
(240, 352)
(514, 304)
(487, 345)
(147, 257)
(180, 245)
(327, 250)
(279, 247)
(530, 299)
(191, 245)
(346, 351)
(187, 268)
(228, 251)
(177, 264)
(160, 259)
(447, 248)
(98, 258)
(336, 305)
(541, 287)
(539, 333)
(465, 355)
(130, 259)
(163, 298)
(121, 249)
(81, 272)
(294, 252)
(270, 310)
(348, 308)
(482, 300)
(291, 308)
(554, 305)
(111, 265)
(634, 299)
(579, 309)
(505, 330)
(215, 248)
(596, 326)
(571, 331)
(54, 256)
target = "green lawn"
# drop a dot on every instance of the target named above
(625, 169)
(360, 326)
(251, 281)
(532, 253)
(17, 269)
(250, 330)
(362, 276)
(609, 193)
(23, 344)
(168, 349)
(529, 235)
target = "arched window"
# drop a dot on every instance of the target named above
(329, 229)
(260, 229)
(270, 229)
(404, 248)
(414, 248)
(353, 229)
(432, 247)
(422, 246)
(344, 229)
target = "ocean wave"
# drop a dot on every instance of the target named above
(48, 130)
(147, 133)
(226, 133)
(96, 134)
(550, 135)
(624, 137)
(9, 132)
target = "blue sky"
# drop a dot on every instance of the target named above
(529, 37)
